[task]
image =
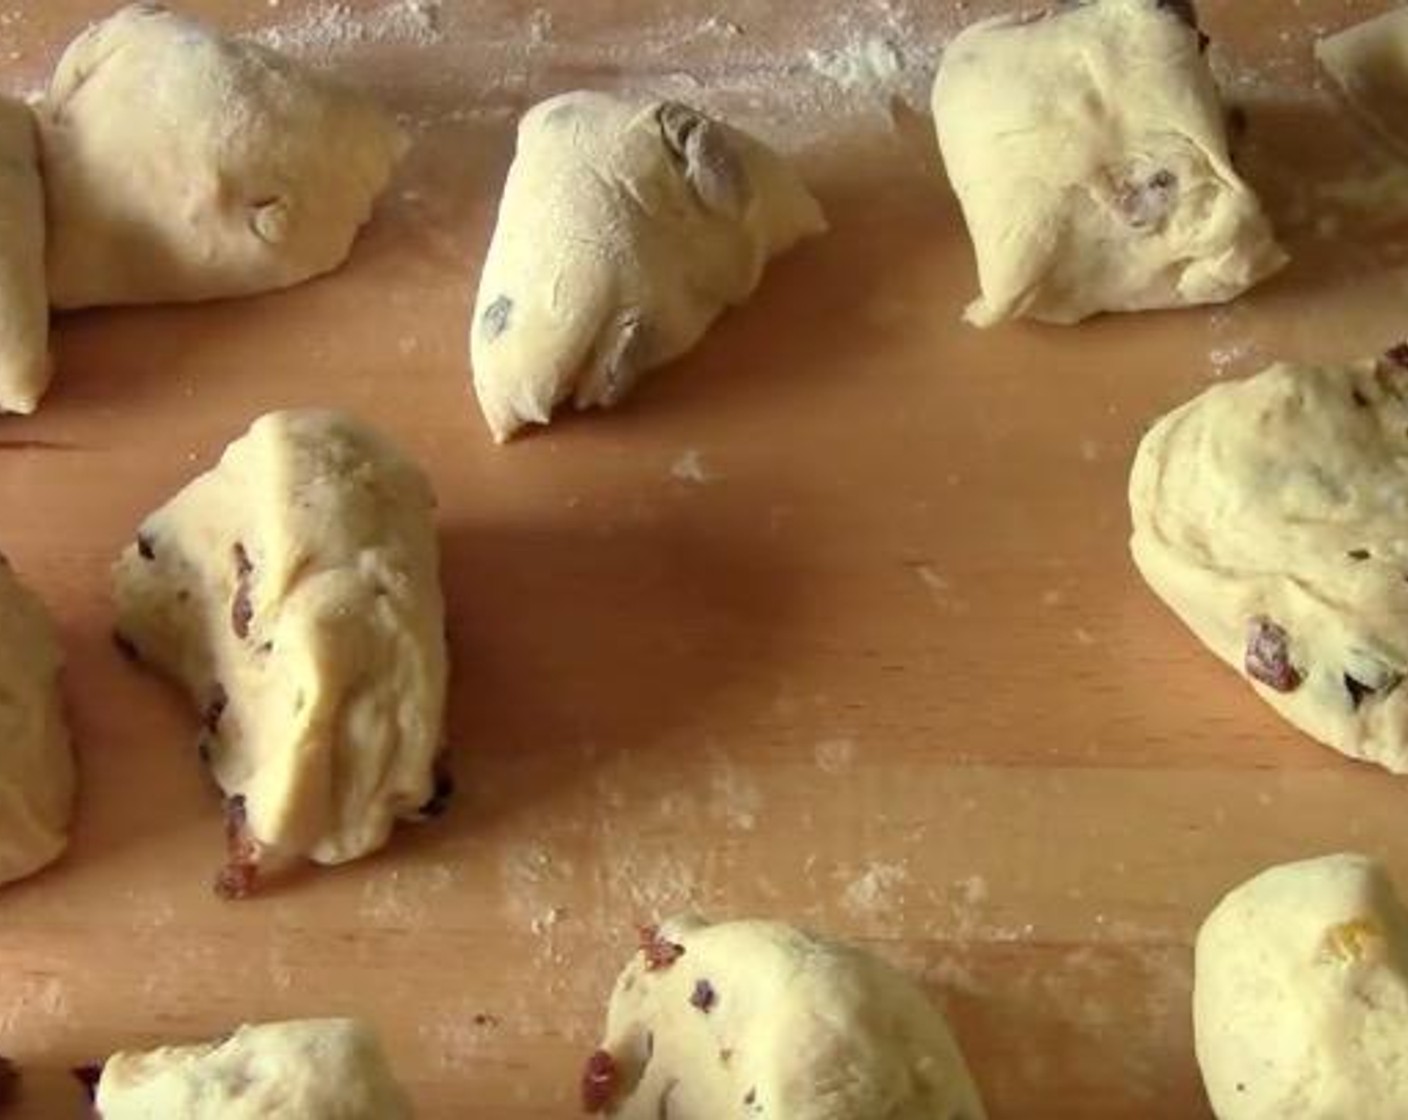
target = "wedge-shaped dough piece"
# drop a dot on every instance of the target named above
(181, 165)
(24, 301)
(36, 761)
(1088, 149)
(1369, 63)
(757, 1019)
(1300, 1000)
(314, 1069)
(1271, 514)
(294, 591)
(626, 228)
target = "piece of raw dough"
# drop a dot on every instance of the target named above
(182, 165)
(1369, 64)
(1088, 150)
(294, 591)
(314, 1069)
(24, 301)
(626, 228)
(1270, 515)
(36, 760)
(758, 1019)
(1300, 999)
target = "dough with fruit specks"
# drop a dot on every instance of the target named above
(659, 217)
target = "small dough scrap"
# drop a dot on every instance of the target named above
(314, 1069)
(1369, 64)
(182, 165)
(1088, 150)
(1269, 514)
(36, 760)
(758, 1019)
(657, 218)
(24, 300)
(1300, 998)
(294, 591)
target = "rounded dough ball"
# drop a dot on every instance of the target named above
(24, 302)
(1369, 64)
(1300, 1001)
(181, 165)
(1268, 514)
(757, 1019)
(316, 1069)
(659, 218)
(1088, 150)
(36, 762)
(294, 591)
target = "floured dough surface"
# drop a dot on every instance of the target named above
(1300, 1001)
(294, 591)
(1270, 515)
(36, 761)
(1369, 64)
(756, 1019)
(1088, 150)
(183, 165)
(24, 301)
(660, 218)
(316, 1069)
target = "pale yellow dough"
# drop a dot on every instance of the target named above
(1300, 1002)
(1271, 514)
(758, 1019)
(36, 761)
(315, 1069)
(1369, 64)
(24, 301)
(626, 228)
(182, 165)
(294, 591)
(1088, 150)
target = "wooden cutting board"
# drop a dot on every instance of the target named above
(833, 622)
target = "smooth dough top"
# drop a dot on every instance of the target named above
(1301, 995)
(1369, 63)
(1271, 514)
(754, 1019)
(626, 227)
(24, 301)
(36, 761)
(294, 590)
(316, 1069)
(183, 165)
(1088, 150)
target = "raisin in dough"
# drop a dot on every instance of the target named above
(1088, 151)
(36, 761)
(1300, 1000)
(1270, 515)
(181, 165)
(24, 301)
(294, 592)
(1369, 64)
(315, 1069)
(757, 1019)
(626, 228)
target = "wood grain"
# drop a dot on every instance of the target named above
(887, 671)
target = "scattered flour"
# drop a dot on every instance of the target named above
(328, 29)
(689, 467)
(877, 891)
(835, 756)
(863, 65)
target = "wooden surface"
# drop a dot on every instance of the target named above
(885, 670)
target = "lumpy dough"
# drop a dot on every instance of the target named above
(181, 165)
(316, 1069)
(1369, 63)
(659, 218)
(294, 591)
(754, 1019)
(1269, 514)
(24, 301)
(1088, 150)
(36, 761)
(1300, 1001)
